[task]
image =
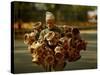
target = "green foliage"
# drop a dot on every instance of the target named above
(28, 11)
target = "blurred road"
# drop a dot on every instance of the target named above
(23, 64)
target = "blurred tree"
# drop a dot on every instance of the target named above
(28, 11)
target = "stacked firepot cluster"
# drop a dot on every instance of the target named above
(55, 50)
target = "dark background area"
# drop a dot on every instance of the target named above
(28, 11)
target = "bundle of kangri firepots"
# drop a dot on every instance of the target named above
(55, 49)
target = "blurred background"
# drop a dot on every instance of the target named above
(25, 14)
